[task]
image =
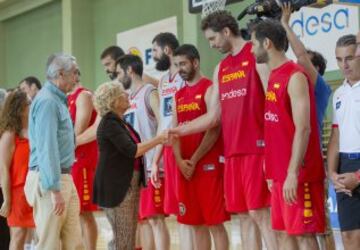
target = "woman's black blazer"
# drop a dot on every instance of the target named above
(115, 166)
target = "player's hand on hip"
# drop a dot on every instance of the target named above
(58, 202)
(290, 188)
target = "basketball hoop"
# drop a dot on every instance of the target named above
(210, 6)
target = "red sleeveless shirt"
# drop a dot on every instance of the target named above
(242, 104)
(190, 104)
(87, 151)
(280, 129)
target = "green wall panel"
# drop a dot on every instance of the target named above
(114, 16)
(28, 40)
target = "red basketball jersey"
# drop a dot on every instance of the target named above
(90, 150)
(190, 104)
(280, 129)
(242, 104)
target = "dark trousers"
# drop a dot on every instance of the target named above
(4, 229)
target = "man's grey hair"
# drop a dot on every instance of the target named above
(59, 62)
(346, 40)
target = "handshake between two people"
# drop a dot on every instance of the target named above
(186, 166)
(168, 136)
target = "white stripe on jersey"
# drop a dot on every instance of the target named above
(167, 90)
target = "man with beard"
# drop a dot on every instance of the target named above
(292, 153)
(108, 59)
(200, 177)
(237, 101)
(164, 45)
(143, 115)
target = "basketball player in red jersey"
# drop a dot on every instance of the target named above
(292, 153)
(83, 115)
(200, 179)
(237, 101)
(164, 45)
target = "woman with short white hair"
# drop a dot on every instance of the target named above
(120, 169)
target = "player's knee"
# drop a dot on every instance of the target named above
(217, 229)
(306, 239)
(156, 221)
(18, 234)
(259, 215)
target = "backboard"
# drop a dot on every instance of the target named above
(195, 6)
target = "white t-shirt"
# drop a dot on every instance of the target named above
(346, 116)
(142, 119)
(167, 89)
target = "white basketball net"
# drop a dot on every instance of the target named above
(210, 6)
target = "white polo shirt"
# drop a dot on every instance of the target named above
(346, 116)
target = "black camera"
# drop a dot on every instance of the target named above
(270, 9)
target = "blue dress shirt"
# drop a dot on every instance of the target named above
(51, 134)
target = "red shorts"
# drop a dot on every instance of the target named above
(21, 214)
(201, 200)
(151, 200)
(307, 216)
(245, 184)
(170, 182)
(83, 173)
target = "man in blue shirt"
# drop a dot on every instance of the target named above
(49, 187)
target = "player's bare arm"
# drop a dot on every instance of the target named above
(7, 149)
(154, 104)
(210, 119)
(296, 45)
(185, 166)
(84, 108)
(149, 79)
(333, 160)
(298, 91)
(209, 138)
(89, 134)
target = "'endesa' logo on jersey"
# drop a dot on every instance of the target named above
(233, 94)
(271, 117)
(188, 107)
(168, 91)
(271, 96)
(233, 76)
